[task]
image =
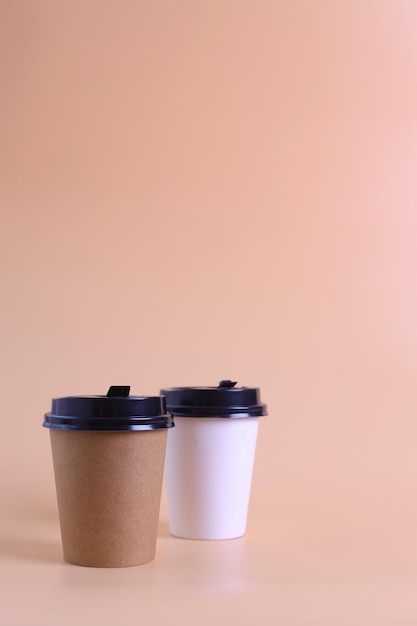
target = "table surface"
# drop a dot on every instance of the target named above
(290, 568)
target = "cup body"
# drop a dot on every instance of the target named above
(208, 474)
(108, 489)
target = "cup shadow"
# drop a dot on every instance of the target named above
(27, 524)
(30, 550)
(163, 529)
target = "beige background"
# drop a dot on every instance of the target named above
(198, 190)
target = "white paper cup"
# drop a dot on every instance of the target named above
(209, 463)
(208, 473)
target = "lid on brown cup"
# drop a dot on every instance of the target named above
(115, 411)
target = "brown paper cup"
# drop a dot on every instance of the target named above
(109, 491)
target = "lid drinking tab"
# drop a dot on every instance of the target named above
(117, 391)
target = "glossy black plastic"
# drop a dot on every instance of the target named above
(115, 411)
(225, 400)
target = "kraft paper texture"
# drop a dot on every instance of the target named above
(108, 490)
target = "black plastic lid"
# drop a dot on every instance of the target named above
(226, 400)
(115, 411)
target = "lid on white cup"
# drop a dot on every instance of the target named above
(115, 411)
(225, 400)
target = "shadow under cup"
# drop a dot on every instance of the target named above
(108, 454)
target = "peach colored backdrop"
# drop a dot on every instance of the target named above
(193, 191)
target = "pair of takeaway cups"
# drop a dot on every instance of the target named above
(109, 454)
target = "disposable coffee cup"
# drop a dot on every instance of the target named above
(210, 457)
(108, 454)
